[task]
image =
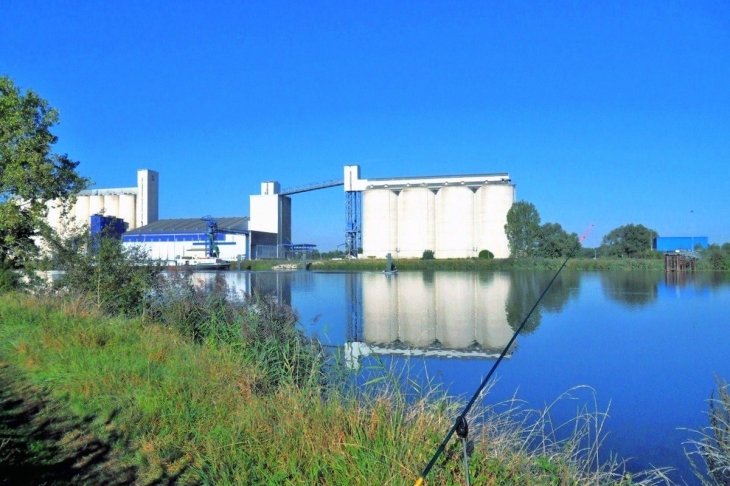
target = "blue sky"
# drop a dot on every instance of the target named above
(601, 112)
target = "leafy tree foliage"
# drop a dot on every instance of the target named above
(523, 229)
(30, 173)
(632, 241)
(528, 239)
(555, 242)
(717, 257)
(8, 277)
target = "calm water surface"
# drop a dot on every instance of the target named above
(650, 347)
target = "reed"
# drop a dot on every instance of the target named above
(709, 451)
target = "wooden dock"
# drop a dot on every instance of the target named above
(680, 261)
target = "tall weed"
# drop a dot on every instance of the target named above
(261, 330)
(710, 453)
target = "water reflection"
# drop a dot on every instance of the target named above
(451, 313)
(525, 288)
(430, 313)
(467, 314)
(633, 289)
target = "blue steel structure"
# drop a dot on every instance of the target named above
(353, 223)
(212, 229)
(109, 225)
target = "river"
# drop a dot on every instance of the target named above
(648, 345)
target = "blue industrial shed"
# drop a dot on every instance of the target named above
(675, 243)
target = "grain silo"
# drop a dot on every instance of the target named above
(415, 220)
(128, 210)
(81, 210)
(53, 209)
(135, 205)
(492, 202)
(454, 222)
(96, 204)
(111, 204)
(382, 217)
(454, 216)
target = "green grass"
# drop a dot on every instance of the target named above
(178, 406)
(496, 264)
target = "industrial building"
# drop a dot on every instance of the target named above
(136, 206)
(679, 243)
(454, 216)
(183, 238)
(266, 234)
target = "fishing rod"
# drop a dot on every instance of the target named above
(460, 425)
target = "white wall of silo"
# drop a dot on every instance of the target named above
(53, 216)
(96, 204)
(454, 222)
(128, 210)
(379, 222)
(111, 205)
(493, 201)
(81, 210)
(415, 222)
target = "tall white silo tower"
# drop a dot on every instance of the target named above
(148, 183)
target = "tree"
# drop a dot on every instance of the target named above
(523, 229)
(632, 241)
(555, 242)
(30, 173)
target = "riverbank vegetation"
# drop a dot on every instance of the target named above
(198, 401)
(192, 384)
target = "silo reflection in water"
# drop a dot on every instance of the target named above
(439, 309)
(492, 328)
(455, 303)
(381, 291)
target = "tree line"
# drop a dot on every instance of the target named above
(529, 239)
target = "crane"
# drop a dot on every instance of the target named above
(212, 229)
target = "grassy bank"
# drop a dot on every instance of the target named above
(200, 407)
(374, 264)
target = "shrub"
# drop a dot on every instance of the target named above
(114, 277)
(486, 255)
(428, 255)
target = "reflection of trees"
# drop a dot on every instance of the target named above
(713, 280)
(634, 289)
(527, 286)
